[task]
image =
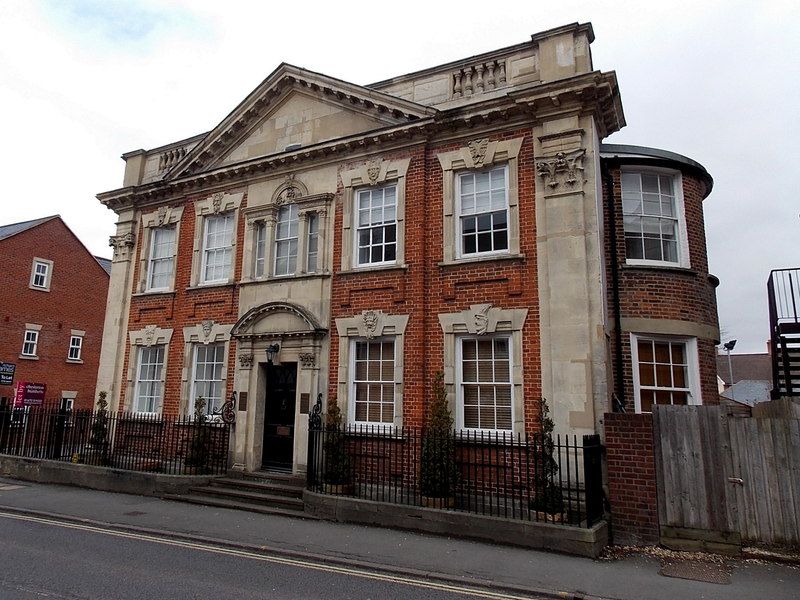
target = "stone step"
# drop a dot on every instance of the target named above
(269, 477)
(204, 500)
(250, 497)
(291, 490)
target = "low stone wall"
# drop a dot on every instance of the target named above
(530, 534)
(632, 478)
(97, 478)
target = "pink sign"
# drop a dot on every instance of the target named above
(29, 394)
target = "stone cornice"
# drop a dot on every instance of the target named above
(596, 93)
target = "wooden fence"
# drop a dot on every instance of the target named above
(724, 479)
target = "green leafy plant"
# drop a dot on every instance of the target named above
(200, 445)
(438, 472)
(547, 495)
(337, 460)
(99, 431)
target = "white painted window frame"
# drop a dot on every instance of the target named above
(31, 336)
(459, 233)
(152, 259)
(277, 241)
(47, 275)
(75, 346)
(692, 361)
(460, 384)
(351, 407)
(680, 210)
(209, 408)
(157, 402)
(357, 228)
(228, 217)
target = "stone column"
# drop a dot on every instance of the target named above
(302, 242)
(115, 329)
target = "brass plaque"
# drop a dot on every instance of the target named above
(242, 400)
(304, 400)
(284, 431)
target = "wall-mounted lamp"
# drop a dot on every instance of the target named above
(272, 350)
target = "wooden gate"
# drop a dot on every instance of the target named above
(722, 479)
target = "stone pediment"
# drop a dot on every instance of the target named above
(295, 106)
(277, 319)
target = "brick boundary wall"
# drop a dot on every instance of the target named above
(632, 479)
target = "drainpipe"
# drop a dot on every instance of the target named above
(619, 387)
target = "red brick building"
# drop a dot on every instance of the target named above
(335, 240)
(51, 309)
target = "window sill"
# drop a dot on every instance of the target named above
(370, 269)
(481, 259)
(660, 267)
(75, 361)
(154, 293)
(283, 278)
(210, 286)
(39, 289)
(370, 430)
(26, 357)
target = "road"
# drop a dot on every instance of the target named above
(44, 558)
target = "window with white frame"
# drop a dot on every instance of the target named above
(207, 381)
(161, 262)
(653, 220)
(259, 260)
(372, 387)
(376, 226)
(286, 235)
(75, 347)
(149, 380)
(665, 372)
(483, 211)
(41, 273)
(30, 342)
(485, 391)
(217, 248)
(312, 242)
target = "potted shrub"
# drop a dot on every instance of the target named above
(336, 459)
(98, 437)
(438, 472)
(547, 500)
(200, 443)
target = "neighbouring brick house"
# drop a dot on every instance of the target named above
(51, 309)
(352, 241)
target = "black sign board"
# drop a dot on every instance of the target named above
(7, 373)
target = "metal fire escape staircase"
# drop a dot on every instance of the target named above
(783, 291)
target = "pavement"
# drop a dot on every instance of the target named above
(513, 571)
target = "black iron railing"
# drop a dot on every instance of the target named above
(130, 441)
(783, 294)
(554, 479)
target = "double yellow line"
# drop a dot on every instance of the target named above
(272, 558)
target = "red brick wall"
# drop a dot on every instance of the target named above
(665, 293)
(185, 307)
(76, 300)
(631, 478)
(425, 288)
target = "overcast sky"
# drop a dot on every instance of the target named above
(83, 82)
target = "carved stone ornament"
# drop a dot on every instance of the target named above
(482, 318)
(162, 214)
(245, 361)
(207, 325)
(370, 323)
(216, 202)
(567, 165)
(150, 335)
(373, 171)
(308, 359)
(289, 191)
(122, 245)
(477, 150)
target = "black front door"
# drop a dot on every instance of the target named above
(279, 416)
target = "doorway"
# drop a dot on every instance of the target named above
(279, 413)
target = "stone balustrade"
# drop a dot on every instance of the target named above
(476, 79)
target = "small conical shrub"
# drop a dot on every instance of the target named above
(438, 472)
